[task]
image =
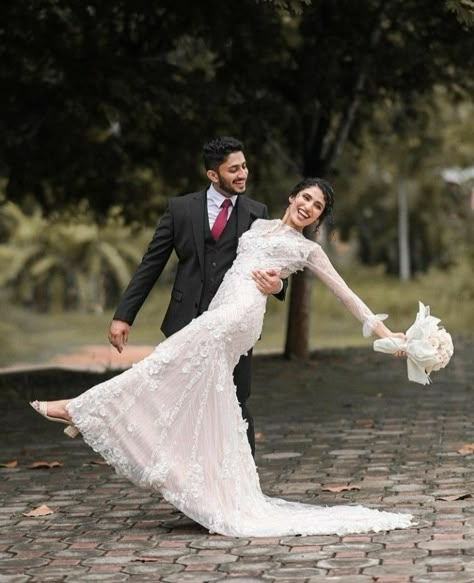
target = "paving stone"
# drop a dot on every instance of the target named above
(289, 573)
(410, 488)
(38, 546)
(353, 546)
(309, 540)
(283, 455)
(349, 563)
(80, 553)
(20, 565)
(305, 557)
(194, 576)
(349, 452)
(403, 455)
(56, 574)
(416, 499)
(398, 569)
(128, 545)
(443, 578)
(368, 484)
(117, 560)
(154, 569)
(469, 565)
(217, 559)
(230, 543)
(446, 561)
(247, 566)
(167, 553)
(111, 577)
(341, 579)
(443, 545)
(406, 536)
(405, 554)
(265, 540)
(258, 551)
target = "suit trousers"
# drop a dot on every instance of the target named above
(242, 380)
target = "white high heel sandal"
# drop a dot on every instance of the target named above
(71, 431)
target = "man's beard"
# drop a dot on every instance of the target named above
(226, 186)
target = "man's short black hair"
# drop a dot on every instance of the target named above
(215, 151)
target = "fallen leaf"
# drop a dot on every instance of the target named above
(466, 449)
(47, 465)
(454, 497)
(12, 464)
(365, 424)
(42, 510)
(338, 487)
(97, 462)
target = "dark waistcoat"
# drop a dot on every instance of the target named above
(218, 257)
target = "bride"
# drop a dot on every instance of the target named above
(172, 422)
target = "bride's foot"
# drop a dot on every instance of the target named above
(52, 409)
(56, 411)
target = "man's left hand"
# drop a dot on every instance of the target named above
(267, 281)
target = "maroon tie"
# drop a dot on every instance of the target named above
(221, 220)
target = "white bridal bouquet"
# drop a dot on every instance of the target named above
(428, 346)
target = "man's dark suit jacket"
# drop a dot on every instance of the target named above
(181, 228)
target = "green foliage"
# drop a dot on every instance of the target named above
(413, 151)
(23, 332)
(67, 261)
(111, 103)
(94, 91)
(464, 10)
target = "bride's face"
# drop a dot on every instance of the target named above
(305, 208)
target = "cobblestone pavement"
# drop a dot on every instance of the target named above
(347, 417)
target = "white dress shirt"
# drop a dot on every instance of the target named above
(214, 204)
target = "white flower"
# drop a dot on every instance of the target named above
(428, 346)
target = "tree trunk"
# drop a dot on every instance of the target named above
(319, 159)
(297, 334)
(403, 233)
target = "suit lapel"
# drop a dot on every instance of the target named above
(243, 216)
(198, 214)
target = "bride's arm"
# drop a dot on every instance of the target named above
(318, 262)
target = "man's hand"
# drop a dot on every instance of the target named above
(118, 334)
(267, 281)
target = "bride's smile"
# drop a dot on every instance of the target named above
(305, 208)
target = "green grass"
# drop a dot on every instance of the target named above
(333, 326)
(27, 336)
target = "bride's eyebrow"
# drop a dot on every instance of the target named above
(316, 201)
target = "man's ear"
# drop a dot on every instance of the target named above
(213, 176)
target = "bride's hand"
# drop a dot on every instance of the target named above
(400, 336)
(383, 332)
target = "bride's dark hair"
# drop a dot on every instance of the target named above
(328, 194)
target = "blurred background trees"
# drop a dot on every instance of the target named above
(105, 105)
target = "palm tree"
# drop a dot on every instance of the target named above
(68, 262)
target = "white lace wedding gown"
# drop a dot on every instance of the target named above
(172, 422)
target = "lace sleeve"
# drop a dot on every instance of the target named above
(318, 262)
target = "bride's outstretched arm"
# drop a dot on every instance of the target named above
(318, 262)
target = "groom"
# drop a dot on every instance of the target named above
(203, 229)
